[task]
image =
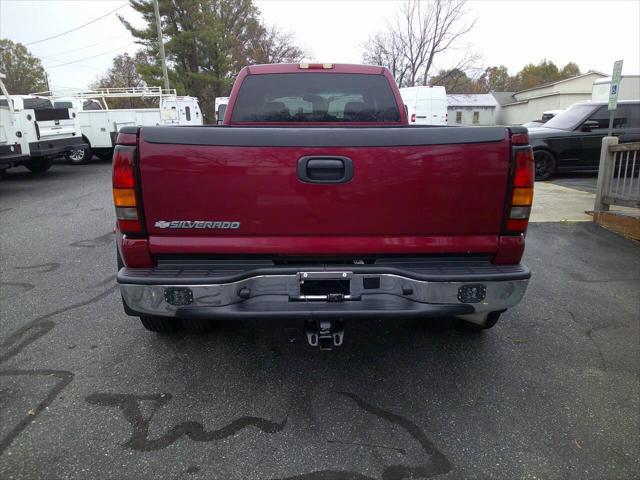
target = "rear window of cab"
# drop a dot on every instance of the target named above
(315, 97)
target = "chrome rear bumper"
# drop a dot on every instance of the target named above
(281, 295)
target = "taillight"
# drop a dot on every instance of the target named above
(124, 192)
(413, 118)
(522, 193)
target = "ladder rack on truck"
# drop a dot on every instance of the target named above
(101, 123)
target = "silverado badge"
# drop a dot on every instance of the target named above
(196, 224)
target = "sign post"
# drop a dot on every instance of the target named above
(613, 92)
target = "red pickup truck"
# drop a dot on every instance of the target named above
(316, 200)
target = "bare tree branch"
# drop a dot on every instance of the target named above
(420, 32)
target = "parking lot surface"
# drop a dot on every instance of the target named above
(85, 392)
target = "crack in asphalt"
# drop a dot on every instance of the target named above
(64, 378)
(42, 268)
(22, 338)
(129, 405)
(94, 242)
(588, 332)
(195, 431)
(42, 325)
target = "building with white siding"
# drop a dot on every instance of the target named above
(471, 109)
(531, 103)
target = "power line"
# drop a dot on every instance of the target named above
(77, 28)
(86, 58)
(75, 65)
(81, 48)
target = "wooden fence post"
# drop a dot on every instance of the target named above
(604, 174)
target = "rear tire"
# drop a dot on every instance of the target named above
(492, 319)
(39, 164)
(161, 324)
(545, 164)
(79, 156)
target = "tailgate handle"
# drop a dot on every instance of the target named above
(325, 169)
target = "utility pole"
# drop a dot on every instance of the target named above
(161, 45)
(46, 80)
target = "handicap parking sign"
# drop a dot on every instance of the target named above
(614, 89)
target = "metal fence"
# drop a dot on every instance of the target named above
(618, 181)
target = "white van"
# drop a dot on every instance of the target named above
(33, 132)
(100, 124)
(425, 105)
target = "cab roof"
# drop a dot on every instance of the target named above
(314, 67)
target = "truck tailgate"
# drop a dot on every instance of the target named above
(235, 189)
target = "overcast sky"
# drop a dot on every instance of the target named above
(591, 33)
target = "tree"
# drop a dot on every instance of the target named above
(571, 69)
(384, 50)
(421, 33)
(497, 79)
(207, 42)
(24, 72)
(533, 75)
(124, 74)
(453, 80)
(545, 72)
(275, 46)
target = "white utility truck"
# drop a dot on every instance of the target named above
(425, 105)
(100, 123)
(33, 132)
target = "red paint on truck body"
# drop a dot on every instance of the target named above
(437, 199)
(396, 194)
(322, 245)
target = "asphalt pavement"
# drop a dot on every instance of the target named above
(551, 392)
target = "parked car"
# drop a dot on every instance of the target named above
(533, 124)
(33, 132)
(546, 116)
(571, 140)
(549, 114)
(355, 215)
(425, 105)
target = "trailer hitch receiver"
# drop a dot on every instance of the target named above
(325, 334)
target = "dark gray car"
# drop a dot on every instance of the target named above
(571, 140)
